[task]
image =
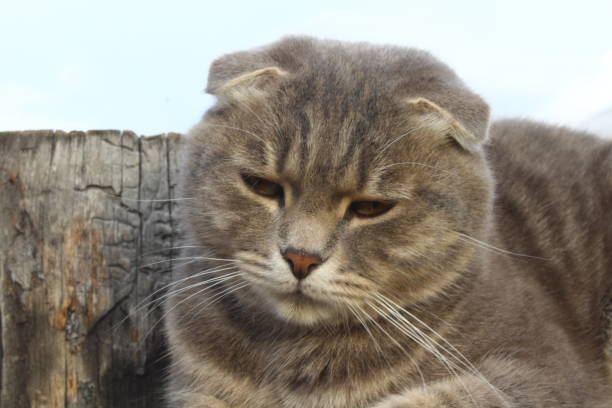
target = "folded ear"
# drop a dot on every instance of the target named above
(250, 83)
(432, 116)
(240, 74)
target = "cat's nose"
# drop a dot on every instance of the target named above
(301, 264)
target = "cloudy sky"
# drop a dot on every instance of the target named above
(142, 65)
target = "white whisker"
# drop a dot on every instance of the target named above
(157, 251)
(204, 282)
(450, 366)
(354, 311)
(202, 305)
(468, 238)
(194, 258)
(144, 303)
(421, 338)
(217, 281)
(459, 357)
(195, 285)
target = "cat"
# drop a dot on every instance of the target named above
(357, 235)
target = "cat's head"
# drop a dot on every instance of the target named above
(336, 173)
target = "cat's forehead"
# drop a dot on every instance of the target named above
(336, 134)
(334, 143)
(319, 132)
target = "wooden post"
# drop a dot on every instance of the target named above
(86, 234)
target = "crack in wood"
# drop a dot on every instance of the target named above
(106, 189)
(84, 267)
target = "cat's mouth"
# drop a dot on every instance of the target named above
(300, 307)
(299, 303)
(300, 296)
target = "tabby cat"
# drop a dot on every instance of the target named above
(358, 237)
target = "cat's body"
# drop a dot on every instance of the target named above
(506, 289)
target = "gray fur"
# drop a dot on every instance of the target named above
(483, 286)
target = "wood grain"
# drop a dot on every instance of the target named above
(81, 246)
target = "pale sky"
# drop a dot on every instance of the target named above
(142, 65)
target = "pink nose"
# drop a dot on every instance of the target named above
(301, 264)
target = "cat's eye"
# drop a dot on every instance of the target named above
(369, 208)
(263, 187)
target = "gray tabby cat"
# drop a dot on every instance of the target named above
(354, 241)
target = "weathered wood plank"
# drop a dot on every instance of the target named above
(81, 245)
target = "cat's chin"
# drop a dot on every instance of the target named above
(303, 310)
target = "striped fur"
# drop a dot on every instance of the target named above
(483, 286)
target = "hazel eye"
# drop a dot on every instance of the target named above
(369, 208)
(263, 187)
